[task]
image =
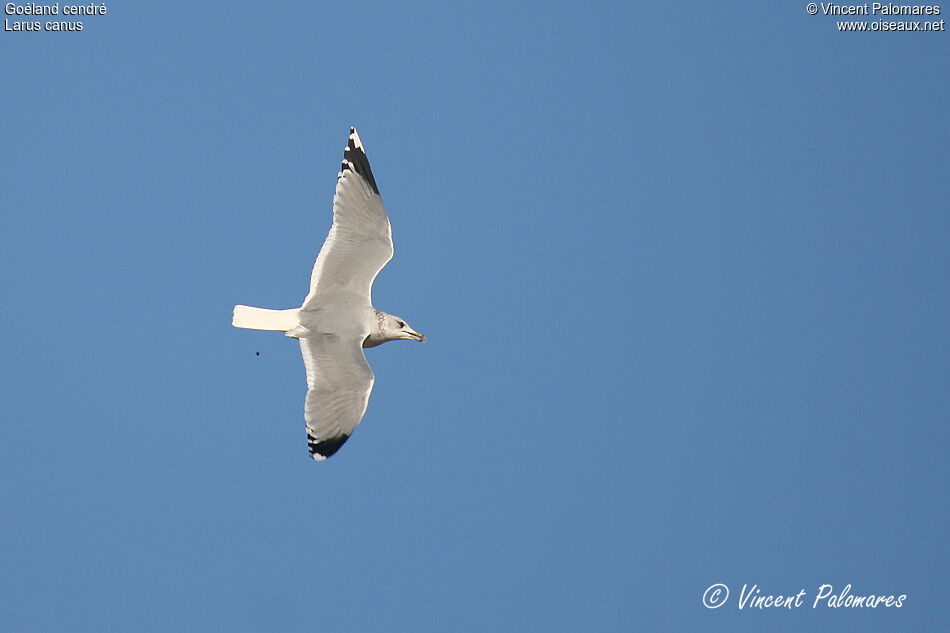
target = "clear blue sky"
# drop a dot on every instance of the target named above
(683, 269)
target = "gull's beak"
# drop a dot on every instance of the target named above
(419, 337)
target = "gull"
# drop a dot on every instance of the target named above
(337, 318)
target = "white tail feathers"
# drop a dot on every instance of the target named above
(264, 319)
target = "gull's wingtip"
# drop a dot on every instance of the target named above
(321, 449)
(354, 159)
(355, 138)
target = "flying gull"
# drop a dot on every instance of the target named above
(337, 318)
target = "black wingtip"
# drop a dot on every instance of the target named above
(321, 449)
(354, 158)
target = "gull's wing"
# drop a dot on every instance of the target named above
(339, 382)
(360, 241)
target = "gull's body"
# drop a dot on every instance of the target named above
(337, 318)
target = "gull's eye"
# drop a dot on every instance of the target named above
(401, 324)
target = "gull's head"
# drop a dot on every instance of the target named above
(396, 329)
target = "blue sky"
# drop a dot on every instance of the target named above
(683, 270)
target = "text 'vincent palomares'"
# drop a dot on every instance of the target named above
(878, 8)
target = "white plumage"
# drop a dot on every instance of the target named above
(337, 318)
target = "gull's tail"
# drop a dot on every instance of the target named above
(264, 319)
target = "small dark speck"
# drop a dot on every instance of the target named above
(257, 353)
